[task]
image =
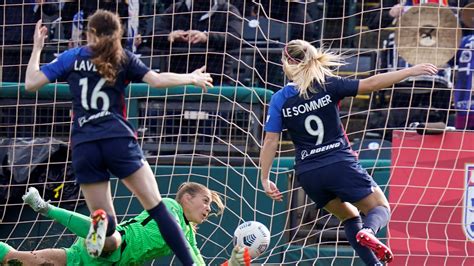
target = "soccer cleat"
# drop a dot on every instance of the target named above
(36, 202)
(366, 238)
(95, 239)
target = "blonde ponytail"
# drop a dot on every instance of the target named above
(305, 64)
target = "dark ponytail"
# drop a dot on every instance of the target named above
(107, 50)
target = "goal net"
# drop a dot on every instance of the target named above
(405, 135)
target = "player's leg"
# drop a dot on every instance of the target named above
(9, 255)
(77, 223)
(92, 175)
(356, 186)
(316, 186)
(376, 209)
(102, 234)
(97, 196)
(349, 216)
(143, 184)
(129, 164)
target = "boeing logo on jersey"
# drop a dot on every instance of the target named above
(468, 214)
(83, 119)
(307, 107)
(305, 153)
(84, 65)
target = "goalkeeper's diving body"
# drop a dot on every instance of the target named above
(141, 240)
(325, 165)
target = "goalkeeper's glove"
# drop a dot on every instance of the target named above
(240, 256)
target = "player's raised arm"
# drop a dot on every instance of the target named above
(385, 80)
(35, 79)
(168, 79)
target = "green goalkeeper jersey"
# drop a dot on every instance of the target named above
(141, 241)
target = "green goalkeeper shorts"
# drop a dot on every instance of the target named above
(77, 255)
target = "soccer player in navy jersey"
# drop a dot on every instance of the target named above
(325, 165)
(464, 86)
(103, 142)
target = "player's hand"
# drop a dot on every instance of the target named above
(396, 11)
(137, 40)
(201, 79)
(423, 69)
(272, 190)
(196, 36)
(178, 36)
(240, 256)
(41, 33)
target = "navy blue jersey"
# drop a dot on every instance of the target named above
(313, 124)
(463, 96)
(99, 109)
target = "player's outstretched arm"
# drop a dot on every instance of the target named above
(385, 80)
(11, 256)
(35, 79)
(168, 79)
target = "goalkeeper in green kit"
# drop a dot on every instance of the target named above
(140, 237)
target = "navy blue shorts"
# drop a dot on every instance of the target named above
(94, 161)
(346, 180)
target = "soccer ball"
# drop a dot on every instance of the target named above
(253, 235)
